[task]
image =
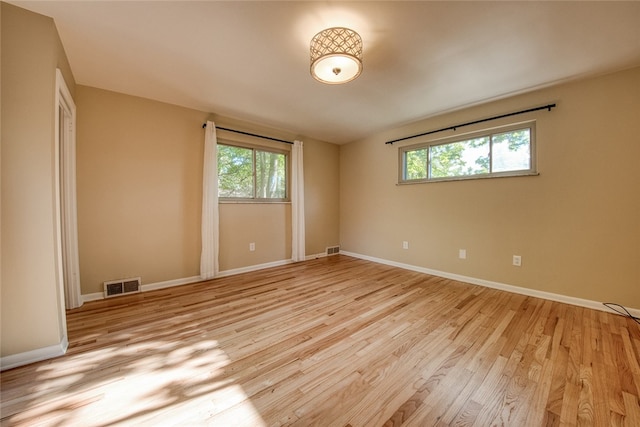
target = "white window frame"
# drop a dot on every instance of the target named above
(531, 171)
(268, 149)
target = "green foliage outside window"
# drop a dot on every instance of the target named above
(416, 164)
(270, 175)
(460, 158)
(512, 150)
(487, 154)
(235, 171)
(249, 173)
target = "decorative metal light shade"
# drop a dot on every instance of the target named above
(336, 55)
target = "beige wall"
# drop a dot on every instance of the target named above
(267, 225)
(31, 316)
(576, 225)
(140, 189)
(322, 198)
(139, 173)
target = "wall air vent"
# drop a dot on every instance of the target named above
(114, 288)
(333, 250)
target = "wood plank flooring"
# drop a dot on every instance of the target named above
(336, 341)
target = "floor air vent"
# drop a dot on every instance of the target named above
(333, 250)
(121, 287)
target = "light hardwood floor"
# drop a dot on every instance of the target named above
(336, 341)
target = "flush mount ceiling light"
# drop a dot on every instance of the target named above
(336, 55)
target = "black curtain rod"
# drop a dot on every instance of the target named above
(544, 107)
(250, 134)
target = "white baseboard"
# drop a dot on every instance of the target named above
(495, 285)
(257, 267)
(170, 283)
(148, 287)
(315, 256)
(92, 297)
(32, 356)
(193, 279)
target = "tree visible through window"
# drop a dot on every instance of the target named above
(508, 152)
(270, 175)
(251, 173)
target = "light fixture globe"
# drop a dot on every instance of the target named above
(336, 55)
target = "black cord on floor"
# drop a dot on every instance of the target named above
(624, 312)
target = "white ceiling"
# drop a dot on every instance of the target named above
(250, 60)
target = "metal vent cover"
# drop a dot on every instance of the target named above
(333, 250)
(120, 287)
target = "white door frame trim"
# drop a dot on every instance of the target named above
(69, 276)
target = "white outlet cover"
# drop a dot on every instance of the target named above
(462, 254)
(405, 245)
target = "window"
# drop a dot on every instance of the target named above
(502, 152)
(251, 173)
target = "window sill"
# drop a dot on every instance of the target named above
(254, 202)
(468, 178)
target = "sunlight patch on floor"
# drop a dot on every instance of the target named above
(172, 382)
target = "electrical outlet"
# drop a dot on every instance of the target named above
(405, 245)
(462, 254)
(252, 246)
(517, 260)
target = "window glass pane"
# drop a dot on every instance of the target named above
(235, 171)
(511, 151)
(461, 158)
(270, 175)
(416, 164)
